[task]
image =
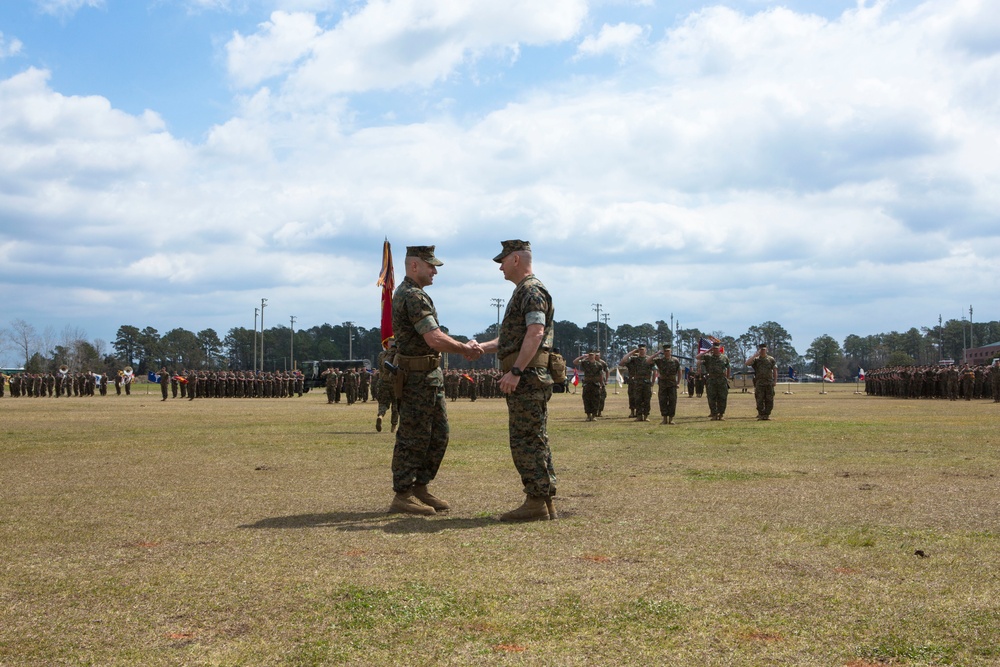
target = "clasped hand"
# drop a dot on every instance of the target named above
(473, 350)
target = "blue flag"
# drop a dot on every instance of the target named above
(791, 373)
(153, 377)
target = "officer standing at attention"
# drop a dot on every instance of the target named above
(765, 376)
(715, 366)
(523, 349)
(422, 437)
(670, 378)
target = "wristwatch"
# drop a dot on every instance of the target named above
(516, 372)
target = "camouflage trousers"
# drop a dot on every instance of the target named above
(591, 398)
(643, 398)
(718, 394)
(387, 404)
(528, 414)
(763, 393)
(667, 396)
(422, 437)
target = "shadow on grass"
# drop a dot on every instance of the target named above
(361, 521)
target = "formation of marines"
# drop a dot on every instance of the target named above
(966, 382)
(353, 384)
(189, 384)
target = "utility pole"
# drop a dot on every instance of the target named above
(940, 338)
(964, 347)
(597, 307)
(350, 341)
(256, 311)
(499, 304)
(263, 303)
(972, 341)
(607, 316)
(291, 343)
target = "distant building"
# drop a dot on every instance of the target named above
(982, 355)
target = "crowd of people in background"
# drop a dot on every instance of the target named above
(185, 384)
(966, 382)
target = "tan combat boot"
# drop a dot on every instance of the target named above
(405, 503)
(551, 507)
(533, 509)
(428, 498)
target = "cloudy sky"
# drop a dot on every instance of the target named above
(831, 165)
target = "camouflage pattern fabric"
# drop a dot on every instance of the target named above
(716, 382)
(667, 392)
(527, 405)
(422, 437)
(640, 382)
(763, 384)
(593, 379)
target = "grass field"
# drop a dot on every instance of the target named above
(254, 532)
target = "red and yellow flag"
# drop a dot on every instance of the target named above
(387, 281)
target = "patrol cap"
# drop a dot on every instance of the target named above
(642, 346)
(666, 346)
(511, 246)
(424, 252)
(761, 346)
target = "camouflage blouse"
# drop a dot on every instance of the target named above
(413, 315)
(668, 370)
(529, 304)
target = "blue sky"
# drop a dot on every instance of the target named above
(832, 166)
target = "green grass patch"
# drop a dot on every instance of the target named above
(846, 530)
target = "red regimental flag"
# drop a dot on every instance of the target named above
(576, 378)
(387, 282)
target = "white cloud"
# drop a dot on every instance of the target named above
(388, 44)
(66, 7)
(617, 40)
(273, 50)
(816, 161)
(9, 47)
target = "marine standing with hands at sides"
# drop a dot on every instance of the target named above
(716, 369)
(594, 378)
(765, 376)
(523, 345)
(670, 377)
(422, 437)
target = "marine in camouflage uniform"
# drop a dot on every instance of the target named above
(383, 387)
(422, 437)
(715, 366)
(765, 375)
(640, 382)
(669, 369)
(593, 380)
(523, 345)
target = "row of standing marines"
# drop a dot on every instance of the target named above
(713, 367)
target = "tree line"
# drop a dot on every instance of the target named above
(148, 350)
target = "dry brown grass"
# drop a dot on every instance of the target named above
(231, 532)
